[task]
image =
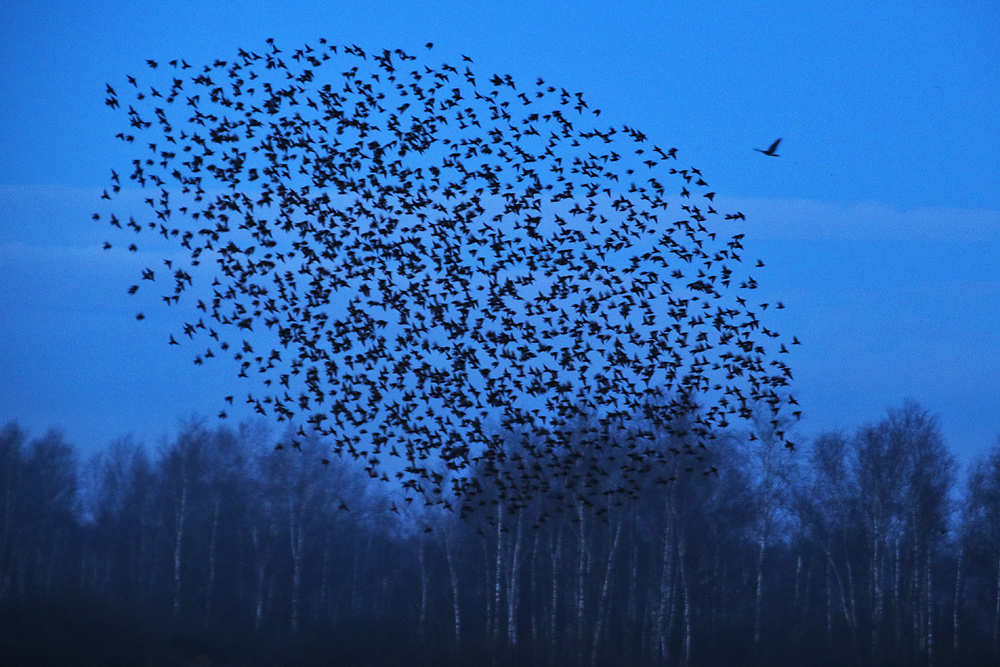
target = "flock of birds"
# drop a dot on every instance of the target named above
(462, 281)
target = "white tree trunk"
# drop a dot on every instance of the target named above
(424, 590)
(759, 598)
(210, 584)
(296, 540)
(453, 577)
(180, 517)
(512, 583)
(602, 600)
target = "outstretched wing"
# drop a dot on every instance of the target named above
(770, 151)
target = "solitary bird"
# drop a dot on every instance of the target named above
(770, 151)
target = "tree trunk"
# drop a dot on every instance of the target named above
(664, 611)
(489, 581)
(555, 552)
(424, 590)
(581, 579)
(875, 576)
(897, 588)
(512, 584)
(686, 593)
(453, 577)
(957, 606)
(996, 613)
(929, 605)
(847, 598)
(497, 581)
(180, 516)
(602, 600)
(758, 599)
(829, 603)
(210, 584)
(796, 597)
(533, 589)
(324, 580)
(262, 550)
(296, 542)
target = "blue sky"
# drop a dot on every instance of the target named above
(879, 223)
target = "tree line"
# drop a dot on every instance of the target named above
(861, 548)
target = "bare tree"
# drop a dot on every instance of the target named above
(905, 475)
(121, 506)
(828, 507)
(982, 526)
(12, 443)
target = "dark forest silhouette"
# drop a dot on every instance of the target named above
(861, 549)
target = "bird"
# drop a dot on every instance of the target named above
(770, 151)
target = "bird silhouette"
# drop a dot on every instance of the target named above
(770, 151)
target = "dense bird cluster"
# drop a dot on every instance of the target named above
(454, 278)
